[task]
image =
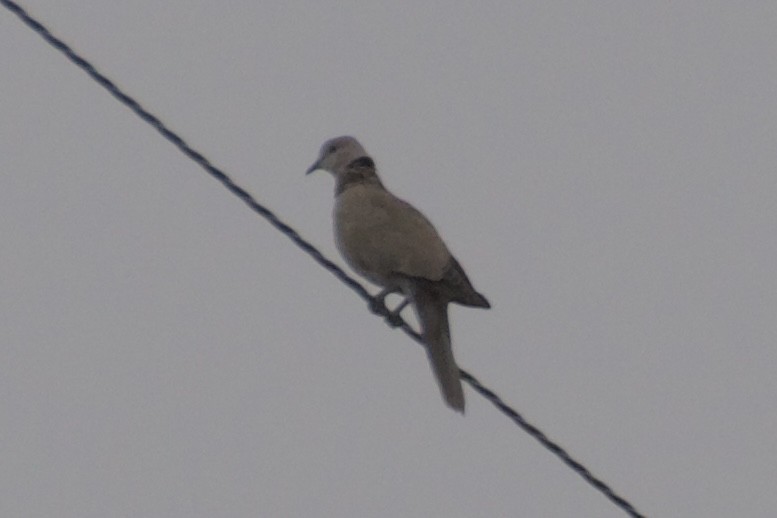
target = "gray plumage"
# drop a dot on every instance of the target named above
(392, 244)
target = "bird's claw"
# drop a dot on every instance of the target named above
(394, 318)
(378, 306)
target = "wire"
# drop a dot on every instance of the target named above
(376, 305)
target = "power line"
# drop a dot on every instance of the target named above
(378, 306)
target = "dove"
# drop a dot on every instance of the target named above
(390, 243)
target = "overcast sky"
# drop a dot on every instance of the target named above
(604, 171)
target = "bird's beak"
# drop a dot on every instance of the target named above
(312, 168)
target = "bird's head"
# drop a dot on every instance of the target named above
(336, 154)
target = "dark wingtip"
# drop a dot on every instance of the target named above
(486, 304)
(479, 301)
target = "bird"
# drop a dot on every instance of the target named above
(391, 244)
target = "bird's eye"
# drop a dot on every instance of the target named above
(332, 149)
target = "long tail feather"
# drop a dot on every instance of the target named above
(433, 316)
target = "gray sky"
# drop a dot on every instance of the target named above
(604, 171)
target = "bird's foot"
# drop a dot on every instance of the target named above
(394, 318)
(378, 306)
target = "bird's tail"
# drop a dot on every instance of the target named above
(433, 316)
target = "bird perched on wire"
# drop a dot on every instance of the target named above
(393, 245)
